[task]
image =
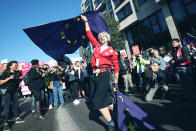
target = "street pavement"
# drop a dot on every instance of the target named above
(173, 114)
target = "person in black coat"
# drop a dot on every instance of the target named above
(35, 85)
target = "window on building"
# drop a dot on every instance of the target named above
(146, 23)
(124, 12)
(155, 23)
(109, 4)
(153, 19)
(97, 2)
(88, 9)
(141, 2)
(156, 29)
(177, 10)
(86, 3)
(162, 21)
(117, 2)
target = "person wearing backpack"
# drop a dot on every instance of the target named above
(182, 65)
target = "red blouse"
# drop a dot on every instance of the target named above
(107, 58)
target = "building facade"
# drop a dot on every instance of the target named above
(149, 22)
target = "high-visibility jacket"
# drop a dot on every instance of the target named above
(179, 56)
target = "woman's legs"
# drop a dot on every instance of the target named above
(60, 92)
(106, 114)
(111, 107)
(55, 91)
(50, 94)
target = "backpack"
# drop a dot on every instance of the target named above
(26, 79)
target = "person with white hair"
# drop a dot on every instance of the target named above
(104, 57)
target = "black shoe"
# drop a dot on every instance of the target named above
(111, 128)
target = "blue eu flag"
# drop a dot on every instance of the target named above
(130, 116)
(189, 39)
(65, 37)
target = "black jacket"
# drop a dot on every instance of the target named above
(35, 79)
(12, 84)
(123, 69)
(185, 55)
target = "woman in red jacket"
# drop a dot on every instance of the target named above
(104, 57)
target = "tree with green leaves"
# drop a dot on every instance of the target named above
(117, 41)
(85, 53)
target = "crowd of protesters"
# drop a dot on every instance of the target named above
(46, 86)
(152, 71)
(148, 72)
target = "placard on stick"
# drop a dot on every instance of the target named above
(135, 50)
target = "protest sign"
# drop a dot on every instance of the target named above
(135, 50)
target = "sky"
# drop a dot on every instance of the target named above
(16, 15)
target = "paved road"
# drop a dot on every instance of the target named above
(68, 118)
(174, 114)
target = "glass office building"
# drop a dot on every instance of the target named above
(149, 22)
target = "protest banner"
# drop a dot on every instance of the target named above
(24, 89)
(135, 50)
(123, 52)
(41, 63)
(4, 61)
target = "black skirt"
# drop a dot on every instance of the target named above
(103, 90)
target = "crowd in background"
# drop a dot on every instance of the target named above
(153, 70)
(146, 72)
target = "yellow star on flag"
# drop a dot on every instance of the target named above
(121, 98)
(62, 35)
(68, 41)
(83, 37)
(78, 19)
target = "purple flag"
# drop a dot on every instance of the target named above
(130, 116)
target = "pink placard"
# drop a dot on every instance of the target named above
(135, 49)
(41, 63)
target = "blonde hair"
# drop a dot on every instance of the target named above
(106, 34)
(2, 68)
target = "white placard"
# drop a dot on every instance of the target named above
(167, 58)
(4, 61)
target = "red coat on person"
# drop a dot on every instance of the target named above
(107, 58)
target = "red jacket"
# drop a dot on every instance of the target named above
(107, 58)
